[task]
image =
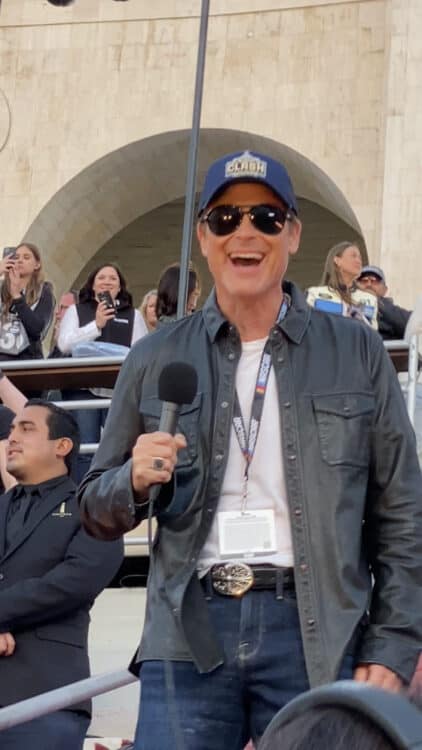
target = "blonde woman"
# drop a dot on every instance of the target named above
(338, 292)
(26, 304)
(148, 309)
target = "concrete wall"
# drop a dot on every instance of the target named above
(400, 246)
(100, 96)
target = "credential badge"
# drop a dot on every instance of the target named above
(246, 165)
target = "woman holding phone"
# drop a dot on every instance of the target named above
(104, 314)
(26, 304)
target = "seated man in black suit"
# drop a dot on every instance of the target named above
(50, 573)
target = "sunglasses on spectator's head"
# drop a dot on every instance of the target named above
(372, 278)
(267, 219)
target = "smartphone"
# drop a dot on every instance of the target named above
(9, 252)
(107, 298)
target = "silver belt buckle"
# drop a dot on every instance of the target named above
(232, 579)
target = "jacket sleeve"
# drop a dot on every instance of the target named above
(36, 321)
(109, 507)
(393, 529)
(87, 567)
(393, 317)
(71, 333)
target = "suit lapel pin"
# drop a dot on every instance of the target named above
(61, 513)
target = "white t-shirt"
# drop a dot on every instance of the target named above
(266, 483)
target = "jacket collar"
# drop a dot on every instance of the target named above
(298, 318)
(293, 326)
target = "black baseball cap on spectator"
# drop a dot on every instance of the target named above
(6, 418)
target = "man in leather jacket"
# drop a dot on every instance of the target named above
(289, 543)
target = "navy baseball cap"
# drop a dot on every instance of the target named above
(247, 166)
(373, 271)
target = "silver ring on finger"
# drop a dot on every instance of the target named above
(158, 464)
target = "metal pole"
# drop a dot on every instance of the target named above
(192, 162)
(412, 377)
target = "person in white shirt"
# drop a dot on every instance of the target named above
(112, 320)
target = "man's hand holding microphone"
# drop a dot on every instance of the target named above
(154, 455)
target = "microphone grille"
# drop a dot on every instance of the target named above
(178, 383)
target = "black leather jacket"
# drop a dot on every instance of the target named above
(392, 319)
(352, 477)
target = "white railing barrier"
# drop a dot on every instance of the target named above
(40, 364)
(51, 364)
(55, 700)
(412, 370)
(95, 403)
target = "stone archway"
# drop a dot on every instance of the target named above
(142, 184)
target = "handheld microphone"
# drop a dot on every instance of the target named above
(177, 385)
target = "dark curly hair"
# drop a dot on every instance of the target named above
(168, 287)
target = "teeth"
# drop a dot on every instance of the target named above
(246, 256)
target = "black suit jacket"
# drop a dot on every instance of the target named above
(49, 578)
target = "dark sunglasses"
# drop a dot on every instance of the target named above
(268, 219)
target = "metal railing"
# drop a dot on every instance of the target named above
(84, 689)
(412, 370)
(86, 362)
(55, 700)
(57, 362)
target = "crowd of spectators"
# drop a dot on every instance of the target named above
(348, 288)
(87, 323)
(98, 320)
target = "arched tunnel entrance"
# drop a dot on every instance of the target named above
(127, 207)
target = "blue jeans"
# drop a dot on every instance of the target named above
(90, 422)
(62, 730)
(264, 668)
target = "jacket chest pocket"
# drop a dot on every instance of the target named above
(344, 424)
(187, 423)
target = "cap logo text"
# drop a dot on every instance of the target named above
(246, 165)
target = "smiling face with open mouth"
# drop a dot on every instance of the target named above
(248, 265)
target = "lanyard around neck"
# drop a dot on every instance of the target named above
(248, 440)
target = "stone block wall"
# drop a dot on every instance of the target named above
(337, 82)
